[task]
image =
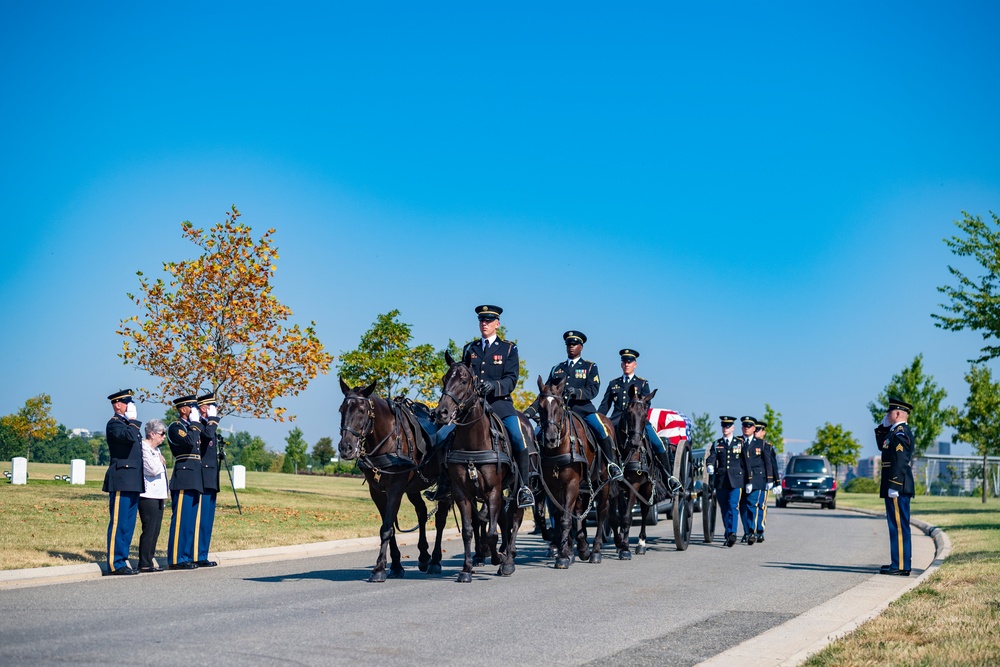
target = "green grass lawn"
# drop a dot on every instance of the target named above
(54, 523)
(951, 619)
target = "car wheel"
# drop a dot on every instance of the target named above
(832, 504)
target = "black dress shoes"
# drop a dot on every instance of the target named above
(151, 569)
(184, 566)
(730, 539)
(124, 569)
(207, 563)
(895, 573)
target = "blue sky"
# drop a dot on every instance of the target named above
(754, 196)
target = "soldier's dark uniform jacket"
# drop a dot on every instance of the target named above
(582, 384)
(896, 445)
(757, 462)
(209, 455)
(730, 470)
(616, 395)
(185, 445)
(125, 445)
(772, 454)
(499, 366)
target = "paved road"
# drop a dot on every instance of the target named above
(666, 607)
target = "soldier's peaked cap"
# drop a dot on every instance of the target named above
(123, 395)
(748, 421)
(488, 312)
(207, 399)
(181, 401)
(727, 420)
(628, 354)
(761, 424)
(900, 404)
(573, 337)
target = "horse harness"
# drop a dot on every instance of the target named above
(398, 462)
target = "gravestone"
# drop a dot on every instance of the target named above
(239, 477)
(77, 471)
(19, 470)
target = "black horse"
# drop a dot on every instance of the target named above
(397, 459)
(637, 460)
(570, 461)
(480, 466)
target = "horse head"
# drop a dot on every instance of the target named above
(551, 406)
(460, 388)
(357, 419)
(635, 418)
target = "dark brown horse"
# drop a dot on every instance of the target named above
(392, 450)
(569, 461)
(637, 463)
(479, 467)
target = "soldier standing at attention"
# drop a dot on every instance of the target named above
(616, 396)
(186, 484)
(895, 442)
(759, 473)
(123, 481)
(725, 461)
(582, 385)
(774, 480)
(209, 478)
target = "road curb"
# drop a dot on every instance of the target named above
(875, 594)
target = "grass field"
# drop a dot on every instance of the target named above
(54, 523)
(951, 619)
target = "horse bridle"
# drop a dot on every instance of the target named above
(629, 434)
(562, 421)
(369, 426)
(463, 405)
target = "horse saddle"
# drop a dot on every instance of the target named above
(419, 417)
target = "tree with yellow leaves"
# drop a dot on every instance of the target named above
(32, 423)
(216, 326)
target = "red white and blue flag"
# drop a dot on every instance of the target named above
(674, 426)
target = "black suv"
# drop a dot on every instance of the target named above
(808, 479)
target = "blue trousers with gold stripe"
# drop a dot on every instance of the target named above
(752, 511)
(729, 506)
(182, 543)
(122, 506)
(206, 521)
(897, 511)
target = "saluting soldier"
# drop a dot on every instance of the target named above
(895, 442)
(724, 462)
(616, 399)
(123, 480)
(209, 478)
(582, 384)
(759, 474)
(186, 484)
(760, 432)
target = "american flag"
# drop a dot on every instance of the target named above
(674, 426)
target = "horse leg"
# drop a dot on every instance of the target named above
(640, 549)
(378, 574)
(440, 523)
(602, 516)
(421, 509)
(494, 504)
(394, 498)
(515, 515)
(625, 516)
(479, 534)
(466, 507)
(565, 552)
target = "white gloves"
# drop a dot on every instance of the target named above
(194, 416)
(770, 485)
(130, 411)
(893, 493)
(749, 488)
(885, 421)
(212, 411)
(711, 470)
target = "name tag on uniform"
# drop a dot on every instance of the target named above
(498, 359)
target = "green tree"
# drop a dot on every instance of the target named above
(977, 422)
(385, 355)
(33, 422)
(253, 453)
(928, 418)
(323, 451)
(702, 431)
(99, 452)
(11, 444)
(836, 444)
(295, 451)
(775, 429)
(975, 302)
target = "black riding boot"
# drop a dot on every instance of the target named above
(608, 447)
(524, 496)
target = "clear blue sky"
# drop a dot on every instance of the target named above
(752, 195)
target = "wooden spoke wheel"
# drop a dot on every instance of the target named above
(683, 498)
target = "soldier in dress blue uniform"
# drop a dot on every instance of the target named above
(760, 432)
(759, 474)
(582, 385)
(616, 397)
(209, 478)
(895, 442)
(186, 484)
(724, 461)
(123, 481)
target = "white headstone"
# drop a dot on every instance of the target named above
(77, 471)
(239, 477)
(19, 474)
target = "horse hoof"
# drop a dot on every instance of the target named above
(594, 558)
(562, 563)
(422, 566)
(396, 573)
(640, 550)
(377, 577)
(506, 570)
(626, 555)
(434, 568)
(464, 577)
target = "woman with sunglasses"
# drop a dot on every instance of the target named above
(151, 501)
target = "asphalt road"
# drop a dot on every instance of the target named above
(665, 607)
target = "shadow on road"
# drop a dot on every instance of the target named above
(822, 567)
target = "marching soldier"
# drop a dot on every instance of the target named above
(895, 442)
(724, 461)
(209, 478)
(582, 385)
(774, 480)
(123, 481)
(186, 484)
(759, 473)
(616, 397)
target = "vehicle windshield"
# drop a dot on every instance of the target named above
(808, 465)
